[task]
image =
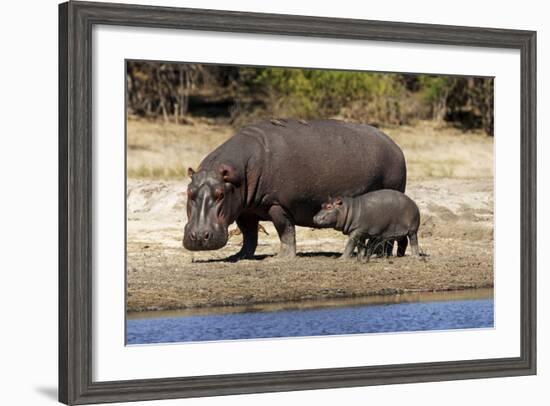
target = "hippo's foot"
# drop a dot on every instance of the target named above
(286, 255)
(287, 252)
(240, 255)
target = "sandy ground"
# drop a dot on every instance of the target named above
(450, 178)
(162, 275)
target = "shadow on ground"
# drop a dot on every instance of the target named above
(232, 258)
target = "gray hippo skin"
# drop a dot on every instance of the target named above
(282, 171)
(379, 216)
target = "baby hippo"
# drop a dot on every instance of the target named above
(381, 216)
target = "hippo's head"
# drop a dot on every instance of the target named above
(213, 203)
(329, 214)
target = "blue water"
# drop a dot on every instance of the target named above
(420, 316)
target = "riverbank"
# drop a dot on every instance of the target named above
(403, 298)
(393, 313)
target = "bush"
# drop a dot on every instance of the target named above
(170, 90)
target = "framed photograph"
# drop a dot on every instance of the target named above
(259, 202)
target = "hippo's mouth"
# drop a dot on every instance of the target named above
(321, 221)
(202, 246)
(198, 242)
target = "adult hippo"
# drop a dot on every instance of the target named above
(282, 171)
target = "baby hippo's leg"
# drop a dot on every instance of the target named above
(414, 244)
(350, 246)
(354, 241)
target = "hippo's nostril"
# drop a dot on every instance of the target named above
(193, 235)
(206, 235)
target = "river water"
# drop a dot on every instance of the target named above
(378, 314)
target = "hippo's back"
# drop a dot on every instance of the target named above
(332, 155)
(385, 209)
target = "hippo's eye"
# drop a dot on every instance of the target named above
(218, 194)
(329, 206)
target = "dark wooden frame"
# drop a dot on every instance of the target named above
(75, 201)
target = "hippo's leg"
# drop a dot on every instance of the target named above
(402, 246)
(286, 230)
(414, 244)
(248, 224)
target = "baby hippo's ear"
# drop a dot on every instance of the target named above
(338, 201)
(190, 172)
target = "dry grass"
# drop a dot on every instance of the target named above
(165, 151)
(157, 150)
(435, 151)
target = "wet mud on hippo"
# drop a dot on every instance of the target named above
(282, 171)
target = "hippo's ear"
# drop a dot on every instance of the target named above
(229, 174)
(338, 201)
(190, 172)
